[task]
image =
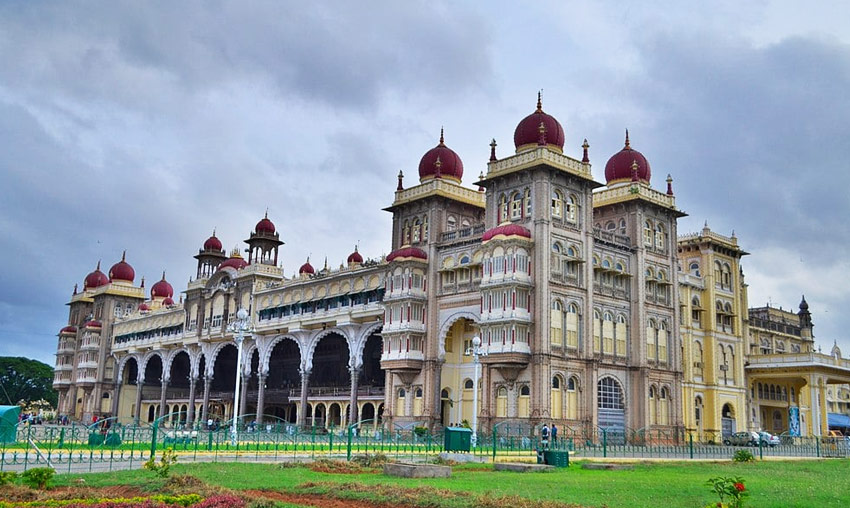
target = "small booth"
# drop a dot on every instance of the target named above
(457, 439)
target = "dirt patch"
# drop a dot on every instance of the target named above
(317, 501)
(339, 467)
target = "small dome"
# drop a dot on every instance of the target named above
(355, 257)
(407, 252)
(235, 261)
(96, 278)
(506, 231)
(265, 225)
(441, 162)
(213, 243)
(619, 167)
(804, 305)
(162, 289)
(93, 324)
(307, 268)
(168, 302)
(69, 329)
(143, 307)
(122, 270)
(527, 134)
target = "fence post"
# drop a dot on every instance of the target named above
(494, 443)
(604, 443)
(817, 445)
(761, 452)
(153, 438)
(691, 444)
(331, 441)
(348, 453)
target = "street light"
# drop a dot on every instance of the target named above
(476, 354)
(238, 328)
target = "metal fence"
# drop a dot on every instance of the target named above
(108, 445)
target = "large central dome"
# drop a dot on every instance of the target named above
(528, 133)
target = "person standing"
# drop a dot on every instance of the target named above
(554, 434)
(544, 436)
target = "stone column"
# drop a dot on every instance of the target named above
(71, 404)
(205, 408)
(352, 403)
(190, 414)
(162, 397)
(261, 396)
(115, 392)
(305, 378)
(140, 381)
(243, 396)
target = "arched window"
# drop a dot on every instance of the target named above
(451, 223)
(653, 407)
(572, 326)
(425, 228)
(572, 398)
(571, 209)
(503, 208)
(401, 403)
(557, 401)
(502, 402)
(694, 269)
(516, 206)
(623, 227)
(597, 331)
(556, 335)
(727, 276)
(527, 202)
(660, 237)
(417, 230)
(651, 335)
(609, 394)
(406, 233)
(698, 412)
(698, 360)
(608, 333)
(523, 403)
(718, 273)
(664, 407)
(647, 234)
(662, 342)
(557, 204)
(468, 384)
(621, 334)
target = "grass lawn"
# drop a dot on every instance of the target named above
(679, 484)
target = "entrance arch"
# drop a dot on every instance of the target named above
(727, 420)
(611, 409)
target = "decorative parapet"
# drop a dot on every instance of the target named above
(629, 192)
(536, 157)
(797, 360)
(439, 187)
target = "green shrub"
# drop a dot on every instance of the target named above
(38, 477)
(743, 456)
(370, 460)
(420, 431)
(7, 477)
(162, 467)
(731, 491)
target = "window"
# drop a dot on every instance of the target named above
(425, 229)
(502, 402)
(609, 394)
(503, 208)
(608, 334)
(557, 398)
(621, 333)
(623, 227)
(557, 203)
(405, 240)
(571, 209)
(528, 202)
(557, 324)
(468, 384)
(417, 230)
(451, 223)
(660, 237)
(698, 360)
(516, 206)
(647, 234)
(572, 326)
(597, 331)
(694, 269)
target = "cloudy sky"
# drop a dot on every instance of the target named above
(143, 126)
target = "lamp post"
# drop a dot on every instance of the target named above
(238, 328)
(476, 354)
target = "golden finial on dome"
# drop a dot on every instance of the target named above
(442, 139)
(540, 101)
(627, 140)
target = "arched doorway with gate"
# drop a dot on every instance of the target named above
(727, 420)
(611, 409)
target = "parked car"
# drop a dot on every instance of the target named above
(742, 439)
(768, 439)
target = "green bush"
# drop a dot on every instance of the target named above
(38, 477)
(743, 456)
(731, 491)
(370, 460)
(161, 468)
(420, 431)
(7, 477)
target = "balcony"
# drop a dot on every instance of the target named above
(612, 238)
(462, 234)
(67, 367)
(87, 364)
(90, 346)
(404, 326)
(521, 315)
(402, 360)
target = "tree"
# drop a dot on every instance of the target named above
(25, 380)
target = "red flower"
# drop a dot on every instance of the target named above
(739, 487)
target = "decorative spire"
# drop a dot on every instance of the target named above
(627, 147)
(75, 289)
(213, 232)
(143, 282)
(438, 164)
(98, 265)
(635, 168)
(540, 101)
(493, 150)
(163, 275)
(400, 178)
(267, 213)
(584, 158)
(442, 139)
(326, 264)
(124, 255)
(669, 185)
(541, 140)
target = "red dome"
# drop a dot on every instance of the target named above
(69, 329)
(122, 270)
(144, 307)
(265, 225)
(407, 252)
(450, 166)
(168, 302)
(307, 268)
(506, 230)
(162, 289)
(528, 131)
(93, 324)
(235, 261)
(619, 166)
(96, 278)
(213, 243)
(355, 257)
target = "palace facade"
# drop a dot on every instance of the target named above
(592, 312)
